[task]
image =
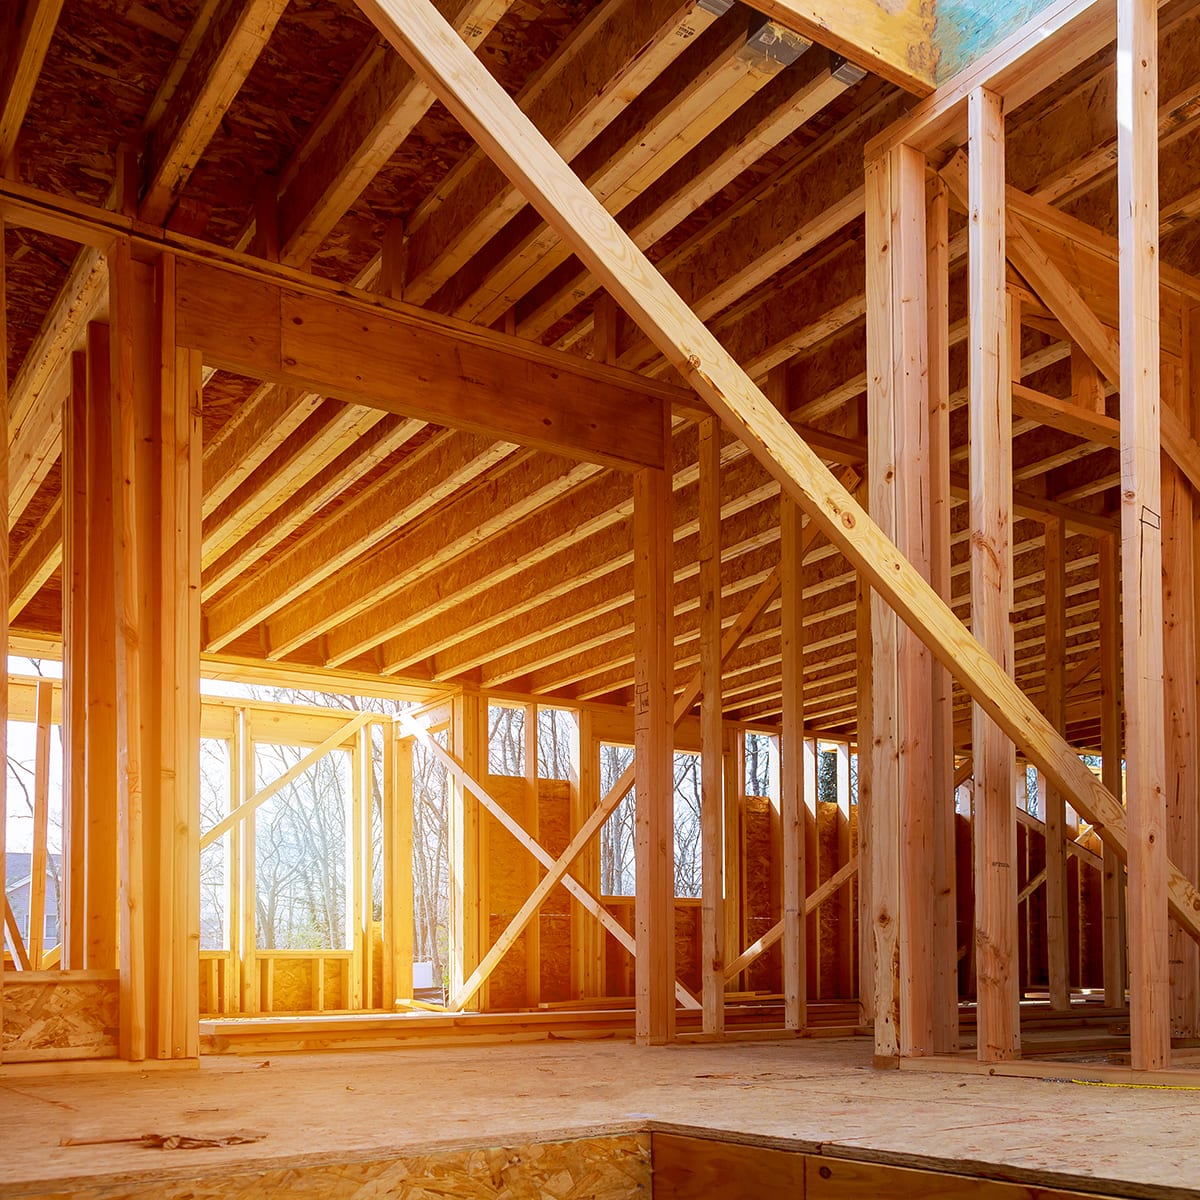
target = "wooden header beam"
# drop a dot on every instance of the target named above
(393, 359)
(416, 30)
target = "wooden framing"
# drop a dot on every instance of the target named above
(405, 416)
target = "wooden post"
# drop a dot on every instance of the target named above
(156, 476)
(358, 870)
(735, 783)
(883, 840)
(1055, 815)
(1112, 893)
(712, 736)
(1181, 610)
(809, 877)
(39, 860)
(945, 907)
(796, 967)
(653, 755)
(914, 713)
(1141, 532)
(866, 821)
(251, 990)
(75, 574)
(466, 882)
(397, 867)
(844, 900)
(533, 941)
(990, 423)
(100, 949)
(234, 841)
(587, 938)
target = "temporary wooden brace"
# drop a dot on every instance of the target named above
(415, 30)
(712, 737)
(525, 839)
(990, 419)
(39, 860)
(597, 816)
(831, 887)
(12, 936)
(1141, 532)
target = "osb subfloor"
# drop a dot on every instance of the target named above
(822, 1095)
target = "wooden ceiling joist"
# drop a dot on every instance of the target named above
(742, 139)
(232, 42)
(22, 65)
(692, 97)
(355, 617)
(619, 51)
(367, 452)
(408, 491)
(329, 430)
(375, 111)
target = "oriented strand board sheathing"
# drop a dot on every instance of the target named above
(616, 1168)
(49, 1016)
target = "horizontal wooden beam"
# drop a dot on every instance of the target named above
(394, 358)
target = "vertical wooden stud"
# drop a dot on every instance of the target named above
(100, 948)
(844, 900)
(910, 429)
(653, 755)
(945, 928)
(1055, 814)
(866, 825)
(990, 422)
(39, 861)
(398, 873)
(4, 590)
(1141, 531)
(75, 573)
(712, 850)
(883, 838)
(533, 941)
(734, 776)
(797, 971)
(1112, 887)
